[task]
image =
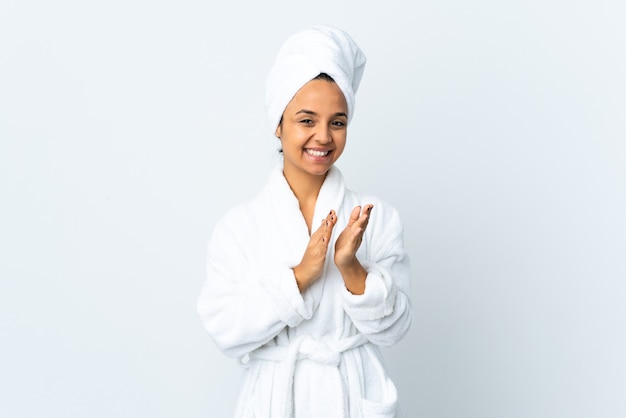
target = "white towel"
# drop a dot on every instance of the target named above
(319, 49)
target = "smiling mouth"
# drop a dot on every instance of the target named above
(317, 153)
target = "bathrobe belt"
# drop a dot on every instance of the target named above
(307, 347)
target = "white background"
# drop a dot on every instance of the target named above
(498, 130)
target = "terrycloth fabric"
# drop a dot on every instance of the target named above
(320, 49)
(313, 354)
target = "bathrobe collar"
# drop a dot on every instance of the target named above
(291, 233)
(287, 209)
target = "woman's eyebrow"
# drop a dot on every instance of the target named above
(310, 112)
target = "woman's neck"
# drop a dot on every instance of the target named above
(306, 188)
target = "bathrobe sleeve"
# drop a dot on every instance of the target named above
(383, 313)
(241, 306)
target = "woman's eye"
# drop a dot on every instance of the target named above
(306, 121)
(338, 123)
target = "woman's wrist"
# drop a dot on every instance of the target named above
(354, 276)
(300, 281)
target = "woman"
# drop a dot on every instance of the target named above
(303, 305)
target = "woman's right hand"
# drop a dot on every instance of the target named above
(312, 264)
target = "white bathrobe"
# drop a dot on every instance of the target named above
(313, 354)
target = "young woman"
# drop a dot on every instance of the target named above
(309, 278)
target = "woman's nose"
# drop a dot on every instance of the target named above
(323, 135)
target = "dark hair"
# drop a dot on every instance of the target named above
(320, 76)
(324, 76)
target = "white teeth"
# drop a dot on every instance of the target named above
(317, 153)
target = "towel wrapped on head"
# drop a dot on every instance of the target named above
(305, 55)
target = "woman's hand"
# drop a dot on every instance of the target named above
(346, 247)
(312, 264)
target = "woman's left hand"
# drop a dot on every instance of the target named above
(346, 247)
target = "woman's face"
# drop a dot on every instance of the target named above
(313, 129)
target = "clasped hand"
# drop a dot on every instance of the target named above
(346, 246)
